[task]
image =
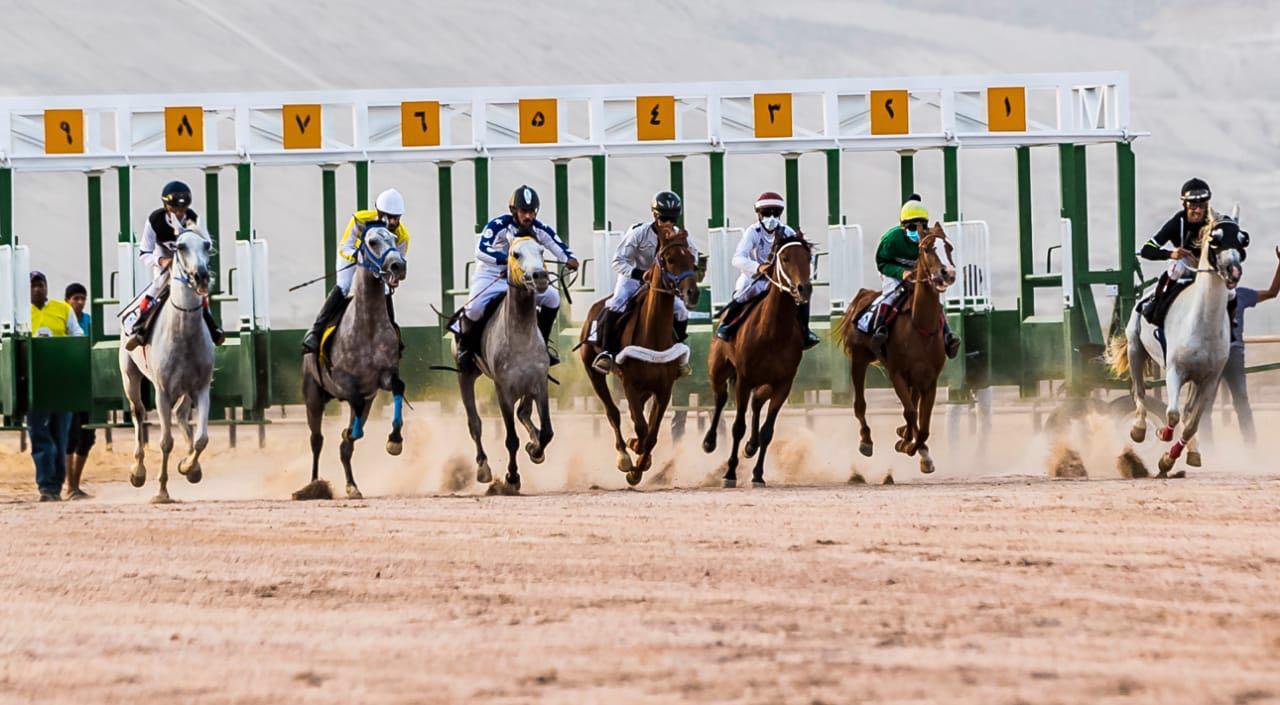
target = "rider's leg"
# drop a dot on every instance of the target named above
(880, 320)
(214, 331)
(681, 325)
(950, 341)
(334, 304)
(150, 311)
(606, 333)
(548, 311)
(485, 287)
(810, 338)
(731, 318)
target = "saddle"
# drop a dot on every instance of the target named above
(744, 309)
(1155, 309)
(327, 338)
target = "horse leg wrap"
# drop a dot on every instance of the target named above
(1166, 434)
(397, 419)
(357, 428)
(1175, 450)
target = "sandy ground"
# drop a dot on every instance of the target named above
(985, 584)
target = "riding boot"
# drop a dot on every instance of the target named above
(810, 338)
(330, 312)
(142, 327)
(950, 341)
(214, 331)
(1149, 309)
(728, 320)
(467, 339)
(880, 324)
(546, 322)
(391, 313)
(681, 330)
(605, 339)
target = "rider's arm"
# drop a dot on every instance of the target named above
(624, 259)
(1154, 248)
(147, 250)
(886, 263)
(743, 260)
(547, 236)
(489, 246)
(402, 240)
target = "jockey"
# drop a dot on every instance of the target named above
(159, 235)
(752, 258)
(387, 211)
(491, 260)
(896, 261)
(635, 255)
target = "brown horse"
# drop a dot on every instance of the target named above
(914, 355)
(763, 356)
(649, 330)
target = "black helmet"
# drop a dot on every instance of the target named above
(176, 193)
(1196, 191)
(666, 203)
(524, 198)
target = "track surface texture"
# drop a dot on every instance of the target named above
(1006, 591)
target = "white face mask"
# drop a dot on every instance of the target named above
(770, 222)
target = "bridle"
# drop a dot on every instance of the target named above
(515, 273)
(377, 265)
(180, 274)
(668, 279)
(783, 280)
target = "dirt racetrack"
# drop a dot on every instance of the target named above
(962, 590)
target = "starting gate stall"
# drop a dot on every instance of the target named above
(674, 121)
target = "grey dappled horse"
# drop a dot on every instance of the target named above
(1197, 339)
(178, 361)
(514, 354)
(363, 358)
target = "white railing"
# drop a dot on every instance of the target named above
(253, 284)
(15, 294)
(846, 262)
(721, 244)
(971, 252)
(1068, 274)
(603, 244)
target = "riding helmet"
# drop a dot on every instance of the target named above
(913, 209)
(1196, 191)
(667, 203)
(176, 194)
(524, 198)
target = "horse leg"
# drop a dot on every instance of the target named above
(600, 383)
(1197, 400)
(190, 465)
(636, 399)
(753, 442)
(1173, 384)
(513, 440)
(739, 428)
(925, 414)
(721, 370)
(1137, 379)
(766, 433)
(164, 409)
(133, 390)
(395, 440)
(315, 399)
(907, 431)
(545, 433)
(467, 388)
(858, 371)
(351, 434)
(524, 412)
(653, 427)
(183, 415)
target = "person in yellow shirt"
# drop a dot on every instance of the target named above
(48, 429)
(388, 210)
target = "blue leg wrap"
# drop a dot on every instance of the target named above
(397, 418)
(357, 428)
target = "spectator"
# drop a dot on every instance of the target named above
(48, 429)
(1233, 374)
(80, 438)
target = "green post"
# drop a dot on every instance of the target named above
(212, 226)
(6, 206)
(362, 185)
(1026, 241)
(677, 181)
(95, 256)
(1128, 230)
(444, 175)
(482, 193)
(562, 198)
(907, 174)
(125, 201)
(951, 184)
(717, 219)
(329, 185)
(792, 174)
(833, 187)
(244, 200)
(599, 185)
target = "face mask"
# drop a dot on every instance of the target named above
(770, 222)
(913, 235)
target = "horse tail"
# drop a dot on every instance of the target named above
(839, 329)
(1117, 356)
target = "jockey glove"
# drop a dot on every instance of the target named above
(637, 274)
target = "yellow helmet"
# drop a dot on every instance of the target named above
(913, 209)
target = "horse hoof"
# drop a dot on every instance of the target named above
(757, 482)
(535, 453)
(483, 474)
(730, 483)
(138, 479)
(865, 449)
(926, 466)
(624, 462)
(1165, 464)
(316, 489)
(394, 447)
(1193, 458)
(900, 446)
(1177, 474)
(634, 445)
(353, 492)
(162, 498)
(633, 477)
(709, 443)
(1165, 433)
(1138, 434)
(750, 449)
(194, 474)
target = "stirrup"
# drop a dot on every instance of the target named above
(880, 335)
(811, 340)
(133, 342)
(603, 363)
(552, 358)
(952, 345)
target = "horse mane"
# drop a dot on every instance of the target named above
(779, 242)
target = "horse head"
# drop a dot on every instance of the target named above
(792, 269)
(381, 257)
(677, 264)
(525, 266)
(935, 259)
(191, 252)
(1226, 243)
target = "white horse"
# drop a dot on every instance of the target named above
(178, 361)
(1197, 337)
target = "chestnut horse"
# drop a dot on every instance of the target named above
(914, 355)
(650, 359)
(763, 356)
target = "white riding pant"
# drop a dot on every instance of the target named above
(890, 289)
(749, 287)
(485, 287)
(624, 290)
